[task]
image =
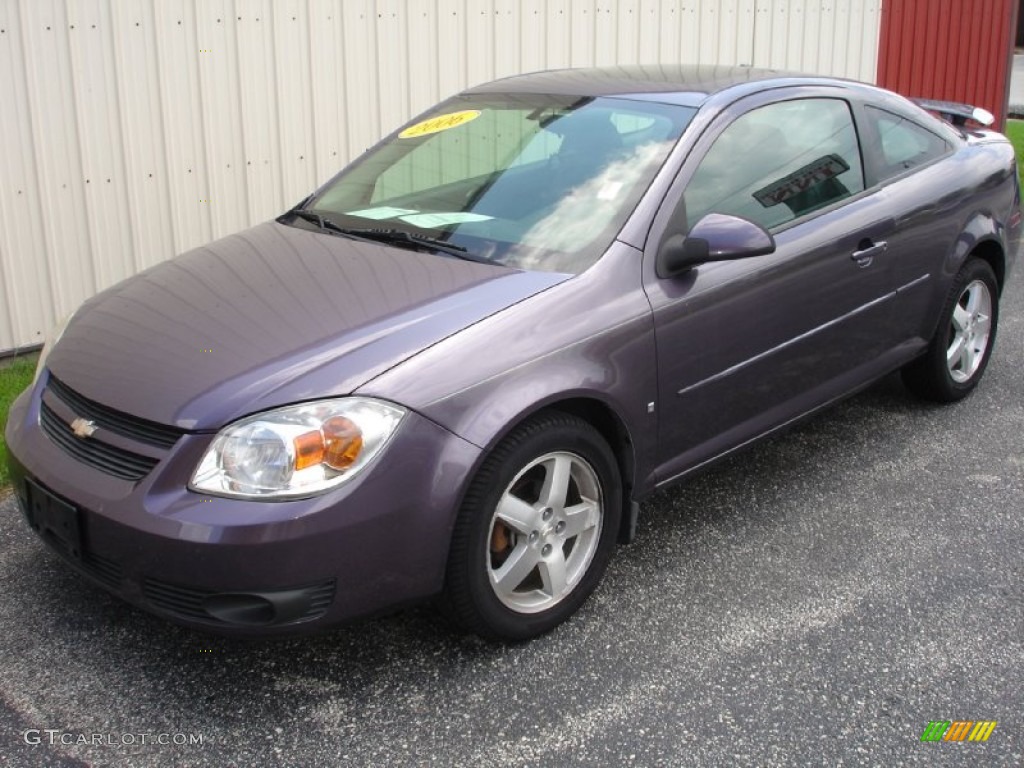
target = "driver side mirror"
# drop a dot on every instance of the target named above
(716, 237)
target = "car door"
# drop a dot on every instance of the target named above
(925, 191)
(746, 345)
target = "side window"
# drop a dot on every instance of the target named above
(901, 144)
(779, 162)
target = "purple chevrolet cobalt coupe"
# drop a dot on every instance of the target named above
(455, 370)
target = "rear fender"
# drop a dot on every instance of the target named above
(982, 235)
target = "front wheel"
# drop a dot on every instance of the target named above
(962, 345)
(536, 529)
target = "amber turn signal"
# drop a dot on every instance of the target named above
(343, 442)
(337, 444)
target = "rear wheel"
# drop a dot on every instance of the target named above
(536, 530)
(959, 352)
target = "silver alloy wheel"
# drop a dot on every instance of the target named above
(969, 331)
(544, 532)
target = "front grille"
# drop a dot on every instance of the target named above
(183, 601)
(103, 456)
(148, 432)
(321, 598)
(189, 602)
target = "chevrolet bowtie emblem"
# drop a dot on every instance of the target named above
(83, 428)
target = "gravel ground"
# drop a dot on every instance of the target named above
(815, 601)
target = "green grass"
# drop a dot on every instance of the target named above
(1015, 132)
(15, 375)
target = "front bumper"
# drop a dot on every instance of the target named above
(247, 567)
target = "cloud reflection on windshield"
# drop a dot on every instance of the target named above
(557, 241)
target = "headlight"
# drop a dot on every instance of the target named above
(49, 342)
(296, 451)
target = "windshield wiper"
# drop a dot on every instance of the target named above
(317, 219)
(389, 236)
(401, 237)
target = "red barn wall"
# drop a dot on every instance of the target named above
(957, 50)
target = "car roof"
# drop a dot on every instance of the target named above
(687, 84)
(692, 85)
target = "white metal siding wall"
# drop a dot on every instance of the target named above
(132, 130)
(837, 37)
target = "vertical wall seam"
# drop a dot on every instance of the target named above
(312, 135)
(243, 133)
(340, 104)
(203, 122)
(78, 142)
(130, 215)
(437, 23)
(271, 20)
(176, 238)
(375, 17)
(36, 172)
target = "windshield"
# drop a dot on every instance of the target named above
(530, 181)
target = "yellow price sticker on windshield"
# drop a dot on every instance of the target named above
(439, 123)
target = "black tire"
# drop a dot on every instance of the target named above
(483, 544)
(930, 376)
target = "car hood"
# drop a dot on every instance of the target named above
(270, 316)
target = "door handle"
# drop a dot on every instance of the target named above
(867, 250)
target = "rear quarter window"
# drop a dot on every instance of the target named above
(900, 145)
